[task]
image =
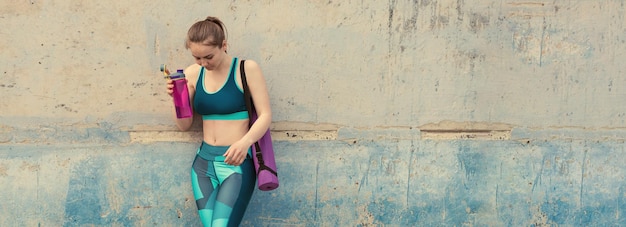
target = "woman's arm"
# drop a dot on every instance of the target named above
(260, 97)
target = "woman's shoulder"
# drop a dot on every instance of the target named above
(193, 70)
(251, 65)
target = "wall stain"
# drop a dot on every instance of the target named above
(3, 171)
(478, 22)
(30, 167)
(12, 85)
(66, 108)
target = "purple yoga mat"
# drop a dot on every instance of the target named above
(262, 150)
(264, 163)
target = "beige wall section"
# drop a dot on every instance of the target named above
(536, 64)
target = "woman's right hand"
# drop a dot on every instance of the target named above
(170, 87)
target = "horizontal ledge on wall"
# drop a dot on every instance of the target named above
(313, 135)
(303, 126)
(303, 131)
(298, 131)
(451, 130)
(196, 136)
(378, 133)
(299, 135)
(164, 136)
(281, 131)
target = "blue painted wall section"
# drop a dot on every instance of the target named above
(96, 185)
(434, 183)
(327, 183)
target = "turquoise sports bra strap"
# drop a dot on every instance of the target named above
(232, 68)
(200, 80)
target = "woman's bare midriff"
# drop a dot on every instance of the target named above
(224, 132)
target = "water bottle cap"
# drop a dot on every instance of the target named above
(179, 74)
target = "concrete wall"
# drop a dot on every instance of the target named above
(396, 113)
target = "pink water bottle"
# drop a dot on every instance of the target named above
(181, 95)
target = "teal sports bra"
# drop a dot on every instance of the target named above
(227, 103)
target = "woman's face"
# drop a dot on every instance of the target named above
(208, 56)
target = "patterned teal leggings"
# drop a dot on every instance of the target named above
(222, 191)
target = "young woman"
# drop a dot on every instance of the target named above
(222, 174)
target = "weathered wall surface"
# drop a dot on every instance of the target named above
(400, 113)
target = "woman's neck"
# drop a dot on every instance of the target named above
(224, 66)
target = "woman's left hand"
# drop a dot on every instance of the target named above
(236, 153)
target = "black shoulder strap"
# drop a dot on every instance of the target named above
(246, 90)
